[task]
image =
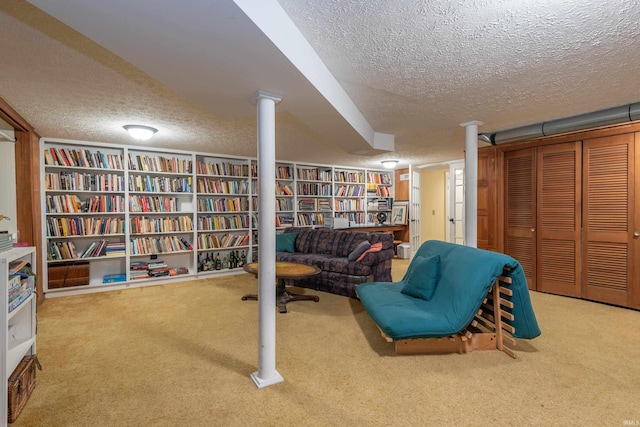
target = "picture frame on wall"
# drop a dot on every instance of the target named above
(399, 214)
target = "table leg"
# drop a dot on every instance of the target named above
(283, 297)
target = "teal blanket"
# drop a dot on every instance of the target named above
(466, 276)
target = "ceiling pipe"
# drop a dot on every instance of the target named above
(610, 116)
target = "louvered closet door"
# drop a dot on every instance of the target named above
(520, 210)
(559, 219)
(607, 218)
(486, 199)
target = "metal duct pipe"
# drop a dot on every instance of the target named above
(610, 116)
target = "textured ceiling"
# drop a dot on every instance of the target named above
(419, 68)
(415, 69)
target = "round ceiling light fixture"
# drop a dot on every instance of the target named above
(140, 132)
(389, 164)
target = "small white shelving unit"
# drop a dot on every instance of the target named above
(18, 326)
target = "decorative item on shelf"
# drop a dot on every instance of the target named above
(399, 214)
(389, 164)
(382, 217)
(140, 132)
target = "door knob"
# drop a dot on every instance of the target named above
(452, 220)
(533, 230)
(636, 234)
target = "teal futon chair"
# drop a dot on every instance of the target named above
(453, 298)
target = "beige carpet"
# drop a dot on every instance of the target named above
(181, 355)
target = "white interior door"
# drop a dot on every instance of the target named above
(456, 203)
(414, 224)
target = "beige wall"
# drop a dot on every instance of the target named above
(433, 205)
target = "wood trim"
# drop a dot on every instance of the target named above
(635, 221)
(28, 210)
(401, 188)
(11, 116)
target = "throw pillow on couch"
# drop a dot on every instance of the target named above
(286, 242)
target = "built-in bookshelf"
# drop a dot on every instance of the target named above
(223, 221)
(314, 194)
(85, 206)
(349, 192)
(138, 215)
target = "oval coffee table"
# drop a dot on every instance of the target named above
(285, 270)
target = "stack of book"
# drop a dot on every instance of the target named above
(6, 242)
(19, 291)
(324, 205)
(114, 249)
(139, 270)
(158, 269)
(307, 205)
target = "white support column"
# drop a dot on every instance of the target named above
(471, 183)
(266, 109)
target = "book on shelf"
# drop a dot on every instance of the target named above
(17, 265)
(139, 265)
(114, 278)
(156, 264)
(19, 289)
(19, 300)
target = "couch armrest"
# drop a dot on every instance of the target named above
(374, 258)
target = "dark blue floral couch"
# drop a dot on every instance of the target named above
(329, 249)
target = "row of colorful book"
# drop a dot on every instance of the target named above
(159, 164)
(81, 158)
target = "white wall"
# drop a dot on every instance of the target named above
(8, 186)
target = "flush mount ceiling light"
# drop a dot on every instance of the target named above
(140, 132)
(389, 164)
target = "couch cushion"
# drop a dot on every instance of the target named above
(320, 240)
(422, 277)
(285, 242)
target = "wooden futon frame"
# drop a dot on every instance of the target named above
(487, 331)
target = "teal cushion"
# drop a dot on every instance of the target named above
(422, 278)
(285, 242)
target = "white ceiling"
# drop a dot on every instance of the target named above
(414, 69)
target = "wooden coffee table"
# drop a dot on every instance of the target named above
(285, 270)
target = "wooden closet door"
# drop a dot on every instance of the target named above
(559, 218)
(608, 212)
(487, 206)
(520, 210)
